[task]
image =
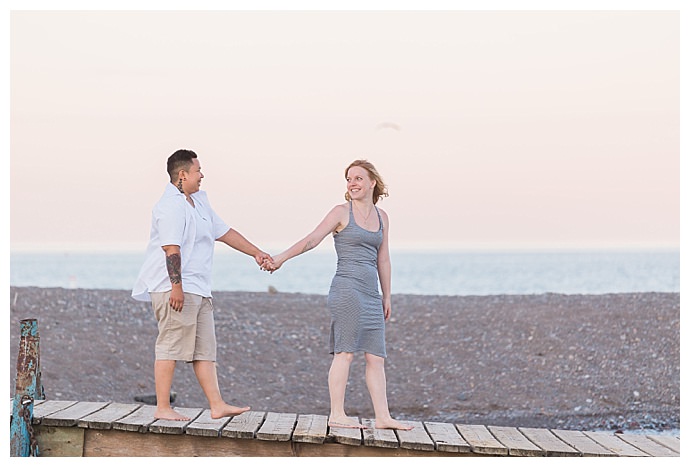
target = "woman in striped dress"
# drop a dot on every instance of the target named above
(358, 311)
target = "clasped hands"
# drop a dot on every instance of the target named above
(267, 263)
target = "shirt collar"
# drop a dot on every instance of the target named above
(171, 190)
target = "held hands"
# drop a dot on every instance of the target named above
(266, 262)
(272, 264)
(262, 258)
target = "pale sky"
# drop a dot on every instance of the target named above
(492, 129)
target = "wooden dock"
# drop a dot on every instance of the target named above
(111, 429)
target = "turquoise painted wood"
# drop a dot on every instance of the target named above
(28, 388)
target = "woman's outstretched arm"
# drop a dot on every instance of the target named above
(329, 224)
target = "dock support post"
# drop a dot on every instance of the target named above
(28, 388)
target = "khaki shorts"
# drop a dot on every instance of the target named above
(186, 335)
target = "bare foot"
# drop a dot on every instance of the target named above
(227, 410)
(344, 422)
(169, 414)
(391, 424)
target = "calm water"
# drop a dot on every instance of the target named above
(425, 273)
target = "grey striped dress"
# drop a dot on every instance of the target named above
(357, 322)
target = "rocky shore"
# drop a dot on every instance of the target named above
(595, 362)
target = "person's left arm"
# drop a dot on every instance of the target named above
(384, 268)
(236, 240)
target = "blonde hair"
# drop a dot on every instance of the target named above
(380, 189)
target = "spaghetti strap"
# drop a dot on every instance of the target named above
(378, 213)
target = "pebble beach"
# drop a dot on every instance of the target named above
(583, 362)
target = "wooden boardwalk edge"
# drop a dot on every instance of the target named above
(72, 428)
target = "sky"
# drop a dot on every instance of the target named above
(492, 129)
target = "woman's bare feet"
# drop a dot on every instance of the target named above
(391, 424)
(227, 410)
(344, 422)
(169, 414)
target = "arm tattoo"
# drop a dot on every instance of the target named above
(174, 265)
(308, 246)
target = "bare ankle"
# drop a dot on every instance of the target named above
(227, 410)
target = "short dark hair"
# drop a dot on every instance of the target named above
(180, 160)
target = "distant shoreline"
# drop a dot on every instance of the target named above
(420, 273)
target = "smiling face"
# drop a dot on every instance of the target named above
(359, 183)
(191, 179)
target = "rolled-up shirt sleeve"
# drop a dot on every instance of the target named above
(220, 228)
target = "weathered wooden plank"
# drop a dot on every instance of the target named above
(49, 407)
(205, 425)
(69, 416)
(377, 437)
(446, 437)
(670, 442)
(139, 420)
(277, 427)
(244, 426)
(417, 438)
(116, 443)
(349, 436)
(481, 440)
(643, 443)
(344, 450)
(586, 445)
(175, 427)
(311, 429)
(550, 443)
(103, 419)
(57, 441)
(516, 442)
(615, 444)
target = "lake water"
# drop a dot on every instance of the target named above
(414, 272)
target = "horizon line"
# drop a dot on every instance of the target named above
(68, 247)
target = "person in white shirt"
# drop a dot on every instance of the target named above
(176, 279)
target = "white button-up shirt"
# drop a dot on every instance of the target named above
(174, 221)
